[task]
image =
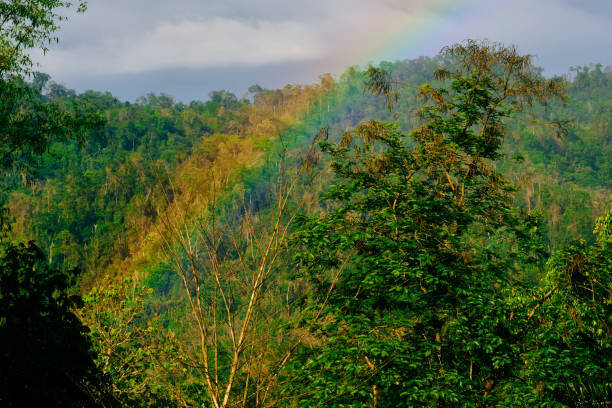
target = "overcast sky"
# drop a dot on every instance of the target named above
(189, 47)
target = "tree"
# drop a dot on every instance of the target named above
(137, 355)
(29, 121)
(420, 254)
(230, 263)
(567, 349)
(25, 26)
(226, 99)
(45, 352)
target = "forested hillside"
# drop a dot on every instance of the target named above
(94, 205)
(424, 233)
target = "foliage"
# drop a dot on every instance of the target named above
(116, 185)
(567, 354)
(25, 26)
(420, 254)
(46, 352)
(142, 361)
(30, 123)
(426, 255)
(230, 265)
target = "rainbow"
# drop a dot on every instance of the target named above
(411, 31)
(410, 27)
(405, 37)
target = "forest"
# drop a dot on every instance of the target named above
(433, 232)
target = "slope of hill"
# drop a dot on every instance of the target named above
(106, 196)
(139, 207)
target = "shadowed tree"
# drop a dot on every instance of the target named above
(44, 350)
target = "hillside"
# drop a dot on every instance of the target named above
(416, 234)
(105, 197)
(434, 232)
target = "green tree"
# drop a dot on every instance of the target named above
(29, 121)
(45, 350)
(567, 351)
(25, 26)
(140, 358)
(419, 255)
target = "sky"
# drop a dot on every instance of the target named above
(188, 48)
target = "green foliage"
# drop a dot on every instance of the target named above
(418, 262)
(116, 184)
(88, 200)
(30, 123)
(426, 255)
(25, 26)
(567, 355)
(45, 353)
(568, 178)
(139, 357)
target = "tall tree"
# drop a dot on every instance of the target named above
(45, 351)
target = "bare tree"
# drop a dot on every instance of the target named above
(231, 264)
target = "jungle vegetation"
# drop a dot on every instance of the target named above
(422, 233)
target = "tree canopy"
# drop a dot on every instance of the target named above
(421, 261)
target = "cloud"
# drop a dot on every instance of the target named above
(138, 37)
(439, 7)
(112, 44)
(194, 44)
(594, 7)
(558, 32)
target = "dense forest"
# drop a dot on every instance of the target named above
(428, 232)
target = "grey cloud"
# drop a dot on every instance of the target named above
(556, 32)
(441, 7)
(108, 22)
(195, 84)
(594, 7)
(338, 33)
